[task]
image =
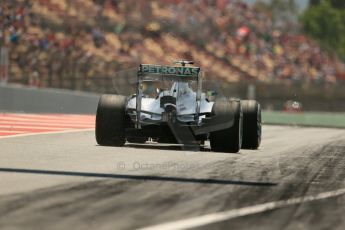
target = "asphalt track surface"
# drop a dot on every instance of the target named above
(66, 181)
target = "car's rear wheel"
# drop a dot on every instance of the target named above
(229, 139)
(251, 124)
(110, 120)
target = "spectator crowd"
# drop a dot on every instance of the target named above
(73, 44)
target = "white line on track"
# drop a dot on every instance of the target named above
(45, 133)
(46, 119)
(9, 131)
(52, 116)
(67, 121)
(228, 215)
(41, 124)
(14, 127)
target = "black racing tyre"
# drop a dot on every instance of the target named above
(137, 140)
(230, 139)
(251, 124)
(111, 120)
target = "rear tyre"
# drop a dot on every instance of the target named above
(251, 124)
(110, 120)
(230, 139)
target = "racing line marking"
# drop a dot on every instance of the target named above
(34, 134)
(232, 214)
(16, 124)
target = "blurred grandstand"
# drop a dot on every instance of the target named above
(80, 44)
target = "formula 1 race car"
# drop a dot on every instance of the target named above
(170, 107)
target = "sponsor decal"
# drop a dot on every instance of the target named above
(170, 70)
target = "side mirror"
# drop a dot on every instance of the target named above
(158, 90)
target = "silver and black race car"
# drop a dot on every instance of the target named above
(169, 106)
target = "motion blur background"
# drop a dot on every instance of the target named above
(281, 52)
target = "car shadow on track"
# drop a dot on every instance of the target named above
(175, 147)
(137, 177)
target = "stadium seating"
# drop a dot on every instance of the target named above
(61, 41)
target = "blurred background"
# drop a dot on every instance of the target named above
(287, 54)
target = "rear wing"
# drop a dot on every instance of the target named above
(147, 72)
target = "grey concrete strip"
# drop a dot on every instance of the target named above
(36, 100)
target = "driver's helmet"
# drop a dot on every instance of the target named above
(184, 89)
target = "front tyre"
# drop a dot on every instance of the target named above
(251, 124)
(229, 139)
(110, 120)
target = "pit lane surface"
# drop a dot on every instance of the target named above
(63, 181)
